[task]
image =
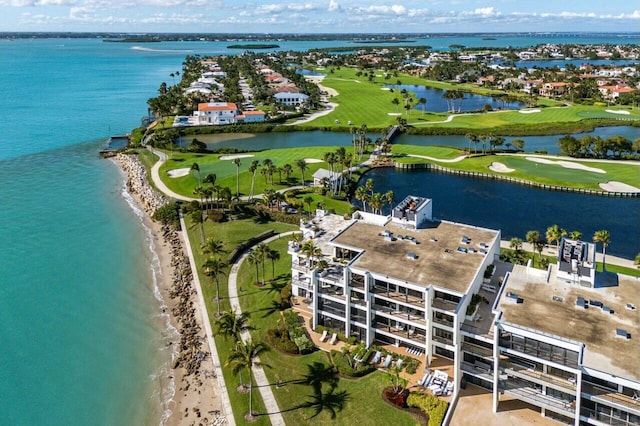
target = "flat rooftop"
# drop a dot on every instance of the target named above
(437, 259)
(551, 308)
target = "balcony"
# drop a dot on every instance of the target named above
(358, 300)
(478, 369)
(477, 350)
(357, 281)
(302, 267)
(398, 297)
(540, 378)
(333, 274)
(611, 397)
(302, 283)
(605, 418)
(326, 308)
(521, 390)
(442, 321)
(332, 291)
(398, 314)
(403, 332)
(443, 340)
(443, 304)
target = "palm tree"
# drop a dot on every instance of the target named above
(210, 178)
(213, 247)
(636, 261)
(254, 259)
(575, 235)
(198, 218)
(253, 168)
(376, 202)
(362, 196)
(534, 238)
(273, 255)
(396, 102)
(308, 200)
(302, 165)
(516, 244)
(231, 324)
(196, 167)
(287, 170)
(603, 236)
(422, 102)
(261, 250)
(237, 163)
(389, 198)
(555, 233)
(244, 357)
(215, 267)
(473, 138)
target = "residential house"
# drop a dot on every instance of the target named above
(291, 99)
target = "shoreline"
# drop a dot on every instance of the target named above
(190, 396)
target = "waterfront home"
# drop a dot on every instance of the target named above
(216, 113)
(612, 93)
(291, 99)
(254, 116)
(322, 176)
(564, 340)
(553, 89)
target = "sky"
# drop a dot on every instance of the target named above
(319, 16)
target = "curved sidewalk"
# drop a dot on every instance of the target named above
(261, 379)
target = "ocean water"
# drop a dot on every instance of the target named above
(83, 338)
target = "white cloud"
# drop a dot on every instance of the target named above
(334, 6)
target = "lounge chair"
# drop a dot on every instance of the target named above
(334, 338)
(324, 336)
(399, 363)
(387, 361)
(376, 357)
(422, 381)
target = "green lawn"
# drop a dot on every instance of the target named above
(441, 152)
(339, 206)
(225, 170)
(361, 101)
(365, 405)
(550, 174)
(231, 233)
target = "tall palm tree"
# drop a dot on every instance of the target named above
(253, 168)
(554, 234)
(362, 195)
(210, 178)
(215, 267)
(472, 138)
(422, 102)
(389, 198)
(196, 167)
(287, 170)
(236, 162)
(261, 250)
(396, 102)
(534, 238)
(516, 244)
(376, 202)
(308, 200)
(198, 218)
(232, 324)
(254, 259)
(273, 255)
(244, 357)
(302, 165)
(603, 236)
(213, 247)
(575, 235)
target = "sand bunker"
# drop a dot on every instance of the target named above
(613, 186)
(528, 111)
(312, 160)
(385, 88)
(394, 113)
(176, 173)
(233, 157)
(618, 111)
(500, 168)
(566, 164)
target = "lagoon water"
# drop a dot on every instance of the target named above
(83, 338)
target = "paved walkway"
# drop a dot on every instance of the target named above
(224, 394)
(261, 379)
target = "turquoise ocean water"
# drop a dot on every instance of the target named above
(82, 337)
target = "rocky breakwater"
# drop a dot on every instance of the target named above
(191, 352)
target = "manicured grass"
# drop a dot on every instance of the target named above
(361, 101)
(339, 206)
(225, 170)
(231, 233)
(633, 272)
(550, 174)
(442, 152)
(365, 405)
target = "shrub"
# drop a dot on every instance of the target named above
(340, 361)
(435, 408)
(279, 339)
(296, 332)
(167, 214)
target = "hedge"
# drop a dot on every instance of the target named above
(296, 332)
(435, 408)
(341, 363)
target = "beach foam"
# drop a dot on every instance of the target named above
(176, 173)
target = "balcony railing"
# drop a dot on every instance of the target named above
(398, 297)
(332, 310)
(301, 267)
(357, 283)
(445, 305)
(403, 332)
(521, 390)
(604, 418)
(610, 397)
(443, 321)
(400, 315)
(477, 350)
(540, 377)
(444, 340)
(306, 284)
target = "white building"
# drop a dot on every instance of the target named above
(216, 113)
(320, 175)
(291, 99)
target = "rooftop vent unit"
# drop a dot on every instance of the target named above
(581, 303)
(631, 306)
(624, 334)
(411, 255)
(513, 298)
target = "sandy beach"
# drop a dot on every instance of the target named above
(196, 397)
